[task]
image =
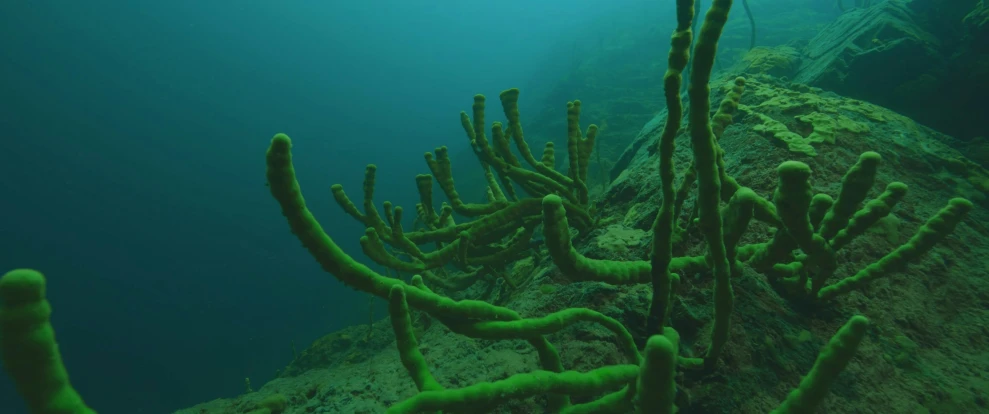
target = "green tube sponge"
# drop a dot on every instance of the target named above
(708, 178)
(27, 345)
(932, 232)
(830, 362)
(736, 217)
(285, 189)
(576, 266)
(662, 244)
(552, 323)
(855, 186)
(793, 199)
(657, 376)
(556, 229)
(484, 396)
(408, 347)
(819, 206)
(872, 212)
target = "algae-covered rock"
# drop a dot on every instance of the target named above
(780, 61)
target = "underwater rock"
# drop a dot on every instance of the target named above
(926, 59)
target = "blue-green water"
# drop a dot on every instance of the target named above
(132, 167)
(132, 173)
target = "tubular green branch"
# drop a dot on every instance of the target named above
(28, 349)
(830, 362)
(695, 21)
(285, 189)
(933, 231)
(510, 105)
(577, 267)
(662, 228)
(708, 179)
